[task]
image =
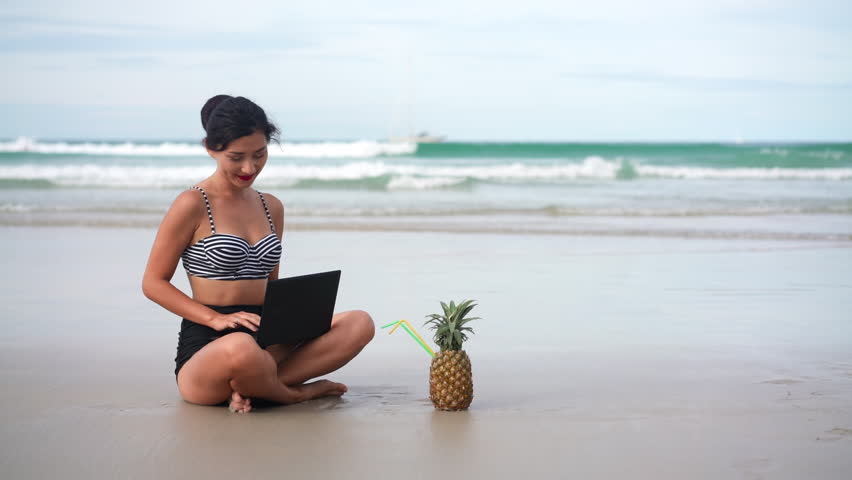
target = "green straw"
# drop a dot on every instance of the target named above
(415, 337)
(417, 340)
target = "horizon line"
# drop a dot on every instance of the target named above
(736, 141)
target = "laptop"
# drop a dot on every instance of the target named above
(299, 308)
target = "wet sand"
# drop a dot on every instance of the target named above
(641, 414)
(715, 373)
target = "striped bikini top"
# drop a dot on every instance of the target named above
(222, 256)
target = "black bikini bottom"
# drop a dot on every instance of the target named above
(194, 336)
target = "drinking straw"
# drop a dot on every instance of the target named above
(417, 338)
(413, 332)
(411, 327)
(395, 327)
(420, 341)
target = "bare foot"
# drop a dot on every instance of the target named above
(321, 388)
(239, 404)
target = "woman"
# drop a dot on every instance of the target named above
(229, 238)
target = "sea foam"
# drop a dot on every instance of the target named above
(393, 175)
(356, 149)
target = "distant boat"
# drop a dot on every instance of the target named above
(422, 137)
(403, 112)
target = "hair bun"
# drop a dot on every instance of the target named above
(227, 118)
(210, 106)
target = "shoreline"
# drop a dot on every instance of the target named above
(781, 227)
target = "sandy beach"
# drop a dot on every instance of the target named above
(649, 202)
(599, 357)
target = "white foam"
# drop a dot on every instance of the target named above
(407, 182)
(107, 175)
(16, 208)
(775, 173)
(592, 167)
(403, 176)
(29, 145)
(826, 154)
(782, 152)
(357, 149)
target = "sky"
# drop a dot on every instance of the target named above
(478, 70)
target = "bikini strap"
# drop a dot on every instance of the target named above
(268, 216)
(209, 212)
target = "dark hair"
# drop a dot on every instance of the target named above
(226, 118)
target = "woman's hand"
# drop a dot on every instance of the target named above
(233, 320)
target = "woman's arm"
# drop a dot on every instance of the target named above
(276, 209)
(174, 235)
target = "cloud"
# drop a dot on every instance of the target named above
(704, 83)
(25, 34)
(27, 24)
(123, 61)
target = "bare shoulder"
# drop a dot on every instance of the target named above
(188, 204)
(276, 207)
(175, 232)
(276, 211)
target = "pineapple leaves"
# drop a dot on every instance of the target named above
(450, 328)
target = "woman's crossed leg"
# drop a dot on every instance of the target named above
(235, 368)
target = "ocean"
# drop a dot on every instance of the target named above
(767, 190)
(640, 302)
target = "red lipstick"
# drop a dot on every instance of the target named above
(245, 178)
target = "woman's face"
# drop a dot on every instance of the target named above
(243, 160)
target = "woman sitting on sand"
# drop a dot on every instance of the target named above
(229, 238)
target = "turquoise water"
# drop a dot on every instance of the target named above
(835, 155)
(434, 186)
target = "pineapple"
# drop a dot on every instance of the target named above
(450, 378)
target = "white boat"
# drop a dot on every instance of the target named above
(403, 113)
(422, 137)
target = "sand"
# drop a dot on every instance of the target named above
(597, 358)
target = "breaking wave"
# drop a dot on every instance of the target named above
(356, 149)
(387, 175)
